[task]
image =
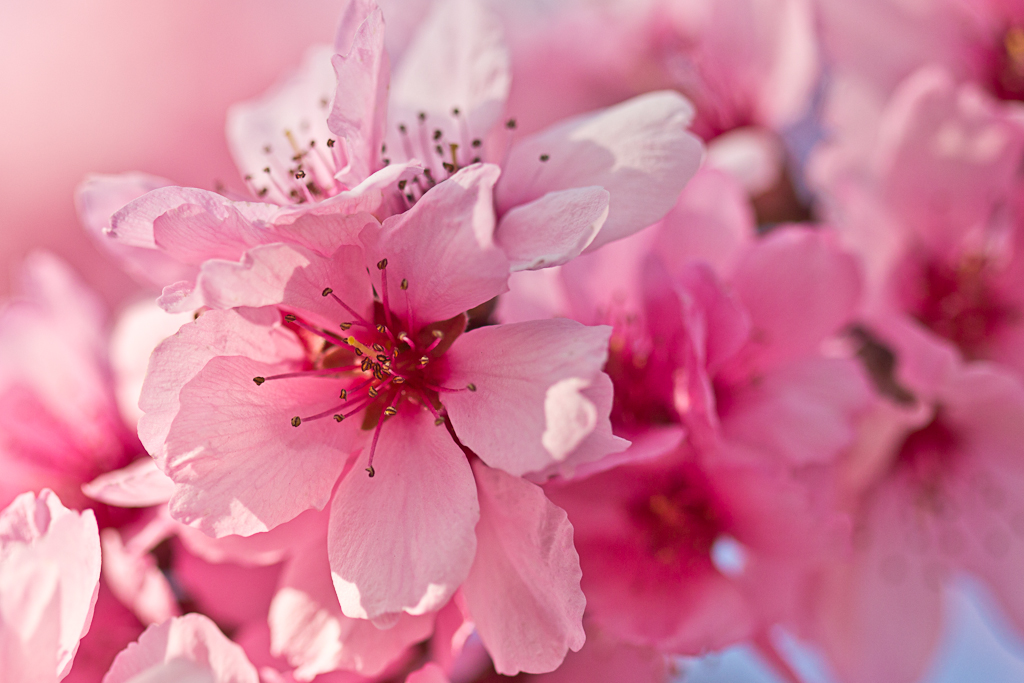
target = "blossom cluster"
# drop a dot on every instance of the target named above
(560, 342)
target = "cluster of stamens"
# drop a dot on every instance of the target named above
(381, 364)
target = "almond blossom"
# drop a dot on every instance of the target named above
(351, 380)
(325, 151)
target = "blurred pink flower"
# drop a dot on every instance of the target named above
(49, 578)
(717, 337)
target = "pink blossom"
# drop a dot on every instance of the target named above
(526, 399)
(61, 425)
(49, 578)
(591, 179)
(736, 366)
(928, 194)
(933, 486)
(184, 648)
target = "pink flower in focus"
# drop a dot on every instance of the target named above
(49, 578)
(185, 648)
(256, 419)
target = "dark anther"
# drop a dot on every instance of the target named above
(438, 422)
(511, 124)
(300, 174)
(365, 365)
(390, 410)
(290, 318)
(296, 421)
(378, 373)
(439, 149)
(248, 176)
(449, 167)
(330, 142)
(455, 111)
(382, 264)
(422, 116)
(344, 395)
(381, 358)
(259, 380)
(410, 197)
(296, 157)
(263, 192)
(345, 326)
(378, 348)
(476, 160)
(471, 386)
(401, 184)
(371, 471)
(438, 134)
(293, 193)
(339, 418)
(381, 328)
(373, 392)
(401, 128)
(383, 148)
(404, 284)
(326, 292)
(266, 149)
(477, 142)
(399, 380)
(386, 162)
(544, 157)
(266, 169)
(424, 360)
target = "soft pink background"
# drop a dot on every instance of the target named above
(117, 85)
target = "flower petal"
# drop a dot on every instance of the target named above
(640, 151)
(553, 229)
(308, 628)
(528, 378)
(403, 539)
(524, 588)
(240, 465)
(444, 248)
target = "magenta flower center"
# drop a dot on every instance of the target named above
(380, 365)
(679, 522)
(1008, 76)
(961, 304)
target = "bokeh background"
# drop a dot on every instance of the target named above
(106, 86)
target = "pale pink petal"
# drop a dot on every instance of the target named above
(254, 334)
(189, 649)
(29, 618)
(523, 590)
(256, 130)
(98, 198)
(553, 229)
(136, 580)
(444, 248)
(138, 485)
(359, 110)
(308, 628)
(191, 225)
(224, 447)
(41, 532)
(293, 277)
(403, 539)
(529, 408)
(533, 295)
(457, 59)
(640, 151)
(799, 288)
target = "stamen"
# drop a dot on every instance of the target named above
(382, 266)
(330, 292)
(306, 373)
(296, 421)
